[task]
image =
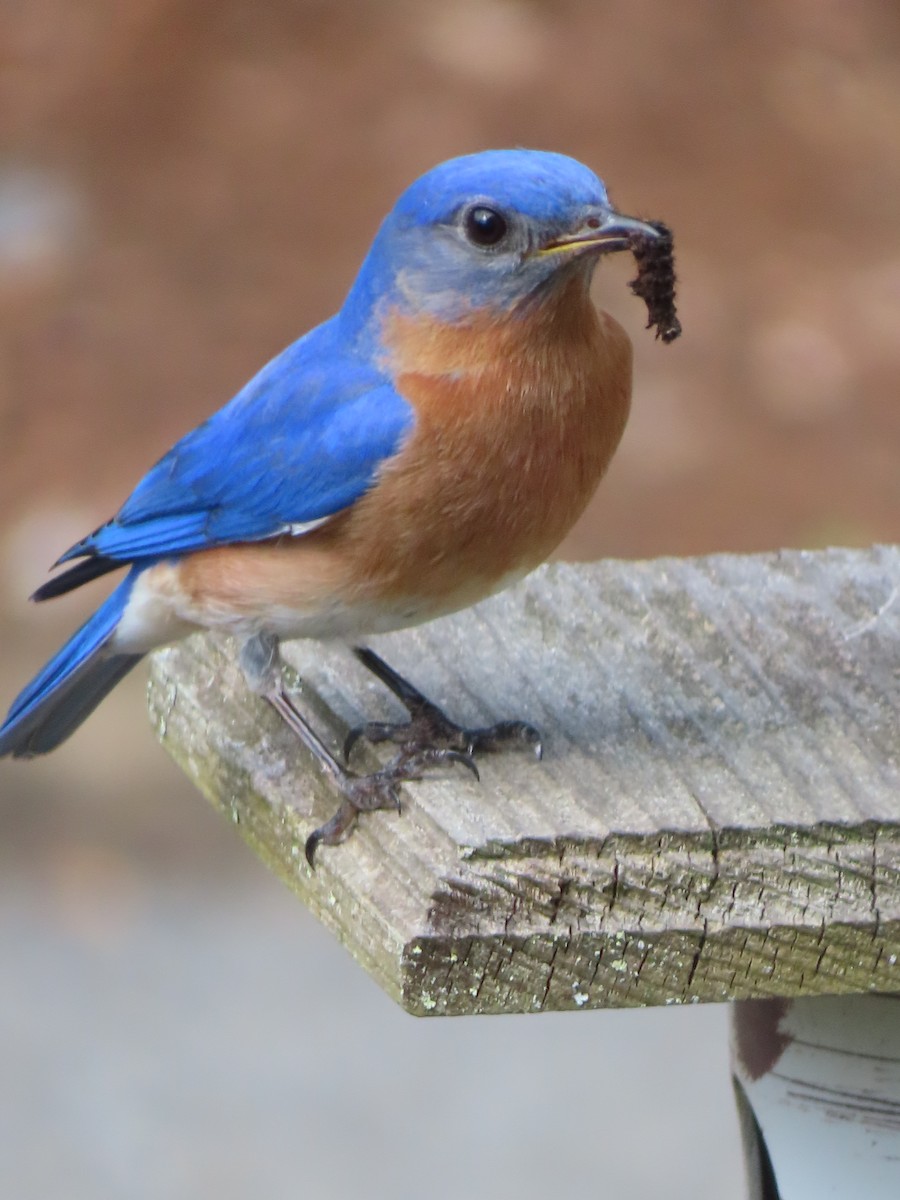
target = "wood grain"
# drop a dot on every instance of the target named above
(717, 815)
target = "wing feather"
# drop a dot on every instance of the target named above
(302, 441)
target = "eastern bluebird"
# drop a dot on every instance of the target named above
(425, 447)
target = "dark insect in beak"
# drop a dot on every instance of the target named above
(655, 282)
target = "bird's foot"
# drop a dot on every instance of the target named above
(359, 793)
(429, 739)
(430, 728)
(380, 789)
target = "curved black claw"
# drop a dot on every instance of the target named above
(333, 831)
(420, 758)
(496, 737)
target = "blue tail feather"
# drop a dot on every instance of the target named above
(71, 685)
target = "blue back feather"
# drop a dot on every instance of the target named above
(302, 440)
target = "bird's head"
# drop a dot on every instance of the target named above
(488, 232)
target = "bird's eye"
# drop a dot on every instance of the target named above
(485, 226)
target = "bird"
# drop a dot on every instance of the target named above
(425, 447)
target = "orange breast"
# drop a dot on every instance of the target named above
(516, 421)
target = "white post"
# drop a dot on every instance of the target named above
(818, 1083)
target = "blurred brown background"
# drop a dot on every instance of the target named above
(188, 185)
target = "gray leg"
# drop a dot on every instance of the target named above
(261, 664)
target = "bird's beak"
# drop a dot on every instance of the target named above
(602, 231)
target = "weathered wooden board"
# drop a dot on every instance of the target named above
(717, 815)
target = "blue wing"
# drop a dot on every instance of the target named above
(301, 441)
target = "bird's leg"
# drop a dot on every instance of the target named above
(261, 665)
(429, 727)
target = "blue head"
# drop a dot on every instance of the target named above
(487, 230)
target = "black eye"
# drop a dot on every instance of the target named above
(485, 226)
